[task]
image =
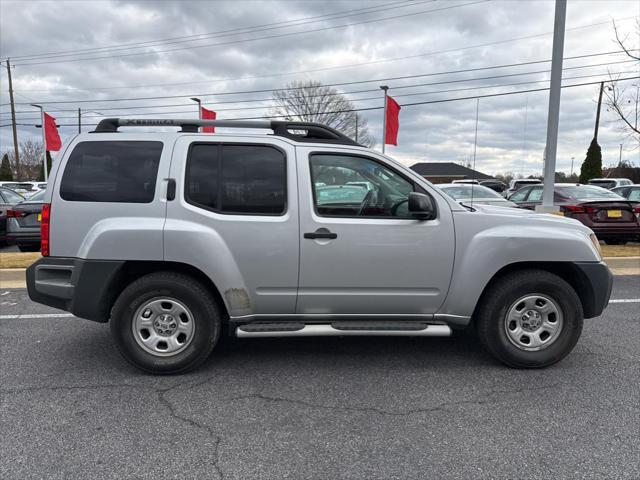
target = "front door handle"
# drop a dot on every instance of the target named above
(321, 233)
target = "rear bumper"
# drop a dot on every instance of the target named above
(78, 286)
(24, 238)
(631, 231)
(598, 283)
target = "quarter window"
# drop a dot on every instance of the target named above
(353, 186)
(237, 179)
(120, 171)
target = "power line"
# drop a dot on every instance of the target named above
(435, 52)
(401, 95)
(231, 32)
(268, 37)
(269, 90)
(473, 97)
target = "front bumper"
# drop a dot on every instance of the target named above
(598, 281)
(81, 287)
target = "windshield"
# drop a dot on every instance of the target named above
(460, 191)
(587, 191)
(603, 183)
(38, 197)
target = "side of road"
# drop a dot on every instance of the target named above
(15, 277)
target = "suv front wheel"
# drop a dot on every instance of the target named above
(530, 319)
(165, 323)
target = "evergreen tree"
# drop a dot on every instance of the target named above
(592, 165)
(6, 175)
(41, 174)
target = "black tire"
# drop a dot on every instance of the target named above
(29, 248)
(206, 314)
(499, 298)
(615, 241)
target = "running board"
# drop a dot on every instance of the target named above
(343, 329)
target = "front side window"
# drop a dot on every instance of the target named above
(237, 179)
(520, 195)
(352, 186)
(535, 195)
(112, 171)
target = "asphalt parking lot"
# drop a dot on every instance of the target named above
(370, 408)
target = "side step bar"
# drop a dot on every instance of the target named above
(342, 329)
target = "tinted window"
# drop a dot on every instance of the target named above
(349, 186)
(112, 172)
(244, 179)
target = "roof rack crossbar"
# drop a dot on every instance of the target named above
(297, 131)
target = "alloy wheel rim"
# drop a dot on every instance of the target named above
(533, 322)
(163, 326)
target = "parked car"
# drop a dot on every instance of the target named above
(8, 198)
(494, 184)
(613, 218)
(23, 223)
(23, 188)
(515, 185)
(467, 181)
(610, 183)
(630, 192)
(170, 236)
(475, 194)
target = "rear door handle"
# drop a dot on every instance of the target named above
(321, 233)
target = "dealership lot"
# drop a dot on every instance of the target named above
(70, 407)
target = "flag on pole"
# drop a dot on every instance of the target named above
(52, 138)
(207, 115)
(392, 122)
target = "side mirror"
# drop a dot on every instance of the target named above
(421, 206)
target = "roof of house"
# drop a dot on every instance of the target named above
(447, 169)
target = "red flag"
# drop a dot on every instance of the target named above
(208, 115)
(393, 122)
(51, 135)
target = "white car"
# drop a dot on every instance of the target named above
(610, 183)
(515, 185)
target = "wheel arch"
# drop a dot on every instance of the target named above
(133, 270)
(568, 271)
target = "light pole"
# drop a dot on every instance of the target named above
(572, 158)
(44, 141)
(80, 113)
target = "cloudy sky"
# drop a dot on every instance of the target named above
(89, 53)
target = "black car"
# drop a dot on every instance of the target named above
(23, 223)
(8, 198)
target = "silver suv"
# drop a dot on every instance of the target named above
(172, 236)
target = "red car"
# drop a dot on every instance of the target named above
(612, 217)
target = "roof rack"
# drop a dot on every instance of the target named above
(297, 131)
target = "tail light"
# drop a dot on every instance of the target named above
(44, 229)
(578, 209)
(14, 214)
(636, 210)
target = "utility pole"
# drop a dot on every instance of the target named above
(79, 121)
(595, 133)
(356, 127)
(620, 158)
(384, 119)
(554, 108)
(13, 123)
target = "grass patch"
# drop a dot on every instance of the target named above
(628, 250)
(17, 260)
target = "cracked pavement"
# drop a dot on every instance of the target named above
(318, 408)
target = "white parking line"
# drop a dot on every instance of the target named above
(28, 316)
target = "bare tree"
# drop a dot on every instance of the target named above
(624, 101)
(30, 159)
(311, 101)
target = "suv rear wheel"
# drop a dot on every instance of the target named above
(530, 319)
(165, 323)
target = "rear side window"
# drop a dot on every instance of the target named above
(237, 179)
(121, 171)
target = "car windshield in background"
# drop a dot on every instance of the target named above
(603, 183)
(588, 191)
(38, 197)
(461, 191)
